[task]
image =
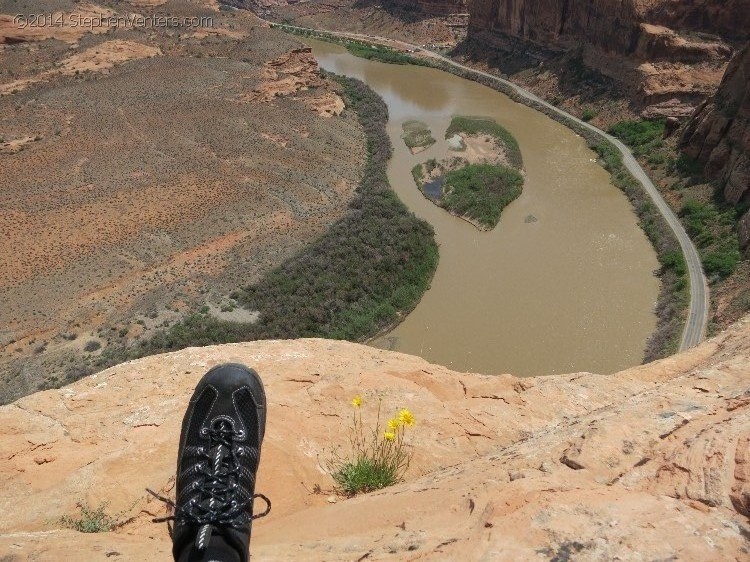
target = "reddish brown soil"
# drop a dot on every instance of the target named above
(141, 178)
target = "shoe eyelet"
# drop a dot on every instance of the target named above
(204, 431)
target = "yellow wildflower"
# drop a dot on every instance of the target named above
(357, 401)
(406, 417)
(389, 436)
(394, 424)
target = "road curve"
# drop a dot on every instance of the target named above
(697, 318)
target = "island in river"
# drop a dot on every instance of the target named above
(479, 177)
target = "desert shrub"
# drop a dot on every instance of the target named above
(688, 167)
(91, 520)
(91, 346)
(721, 262)
(379, 455)
(675, 261)
(588, 114)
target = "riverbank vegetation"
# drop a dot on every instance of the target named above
(674, 296)
(357, 47)
(710, 221)
(364, 274)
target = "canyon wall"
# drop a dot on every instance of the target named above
(719, 135)
(650, 47)
(434, 7)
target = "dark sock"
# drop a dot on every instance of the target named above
(219, 550)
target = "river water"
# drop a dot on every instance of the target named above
(563, 284)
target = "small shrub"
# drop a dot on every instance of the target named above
(588, 114)
(688, 167)
(720, 262)
(656, 158)
(379, 456)
(91, 520)
(91, 346)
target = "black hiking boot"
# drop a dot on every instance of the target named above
(217, 460)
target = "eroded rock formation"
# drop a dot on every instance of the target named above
(642, 44)
(651, 463)
(719, 135)
(435, 7)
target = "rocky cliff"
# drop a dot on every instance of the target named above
(651, 463)
(719, 135)
(434, 7)
(645, 45)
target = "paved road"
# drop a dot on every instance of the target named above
(695, 325)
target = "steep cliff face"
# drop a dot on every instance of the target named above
(719, 135)
(434, 7)
(651, 463)
(635, 42)
(728, 18)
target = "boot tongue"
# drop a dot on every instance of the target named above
(203, 538)
(239, 540)
(219, 546)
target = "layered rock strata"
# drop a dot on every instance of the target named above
(668, 57)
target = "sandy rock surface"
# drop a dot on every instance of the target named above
(651, 463)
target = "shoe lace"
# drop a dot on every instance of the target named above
(214, 502)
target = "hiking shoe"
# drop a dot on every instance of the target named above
(217, 460)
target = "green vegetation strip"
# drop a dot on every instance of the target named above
(480, 192)
(710, 222)
(478, 126)
(357, 47)
(367, 271)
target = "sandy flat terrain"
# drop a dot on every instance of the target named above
(145, 173)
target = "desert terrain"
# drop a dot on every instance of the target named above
(649, 464)
(149, 170)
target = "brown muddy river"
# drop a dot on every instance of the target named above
(563, 284)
